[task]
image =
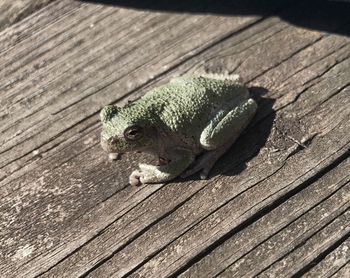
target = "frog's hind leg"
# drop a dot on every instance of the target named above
(220, 134)
(227, 126)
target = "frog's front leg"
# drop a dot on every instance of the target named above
(180, 159)
(220, 134)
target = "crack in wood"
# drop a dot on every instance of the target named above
(253, 214)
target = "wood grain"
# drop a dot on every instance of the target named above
(333, 262)
(13, 11)
(276, 234)
(66, 211)
(58, 116)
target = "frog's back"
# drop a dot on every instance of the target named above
(187, 104)
(198, 91)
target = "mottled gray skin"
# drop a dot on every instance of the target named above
(177, 122)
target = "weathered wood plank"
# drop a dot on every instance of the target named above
(12, 11)
(333, 262)
(325, 234)
(343, 272)
(82, 193)
(290, 223)
(318, 243)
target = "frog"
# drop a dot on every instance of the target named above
(188, 124)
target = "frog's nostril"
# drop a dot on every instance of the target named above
(112, 140)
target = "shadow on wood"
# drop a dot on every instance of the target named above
(324, 15)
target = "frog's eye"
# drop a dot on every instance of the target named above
(133, 133)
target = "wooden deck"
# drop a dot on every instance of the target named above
(276, 205)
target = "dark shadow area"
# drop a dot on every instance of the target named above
(321, 15)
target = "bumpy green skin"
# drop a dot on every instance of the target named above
(179, 120)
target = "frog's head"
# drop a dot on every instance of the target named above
(124, 131)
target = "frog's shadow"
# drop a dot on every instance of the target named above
(251, 140)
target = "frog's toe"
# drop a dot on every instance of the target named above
(135, 178)
(203, 169)
(149, 174)
(203, 165)
(139, 177)
(204, 174)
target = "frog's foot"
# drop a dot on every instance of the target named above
(148, 174)
(134, 178)
(206, 162)
(168, 170)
